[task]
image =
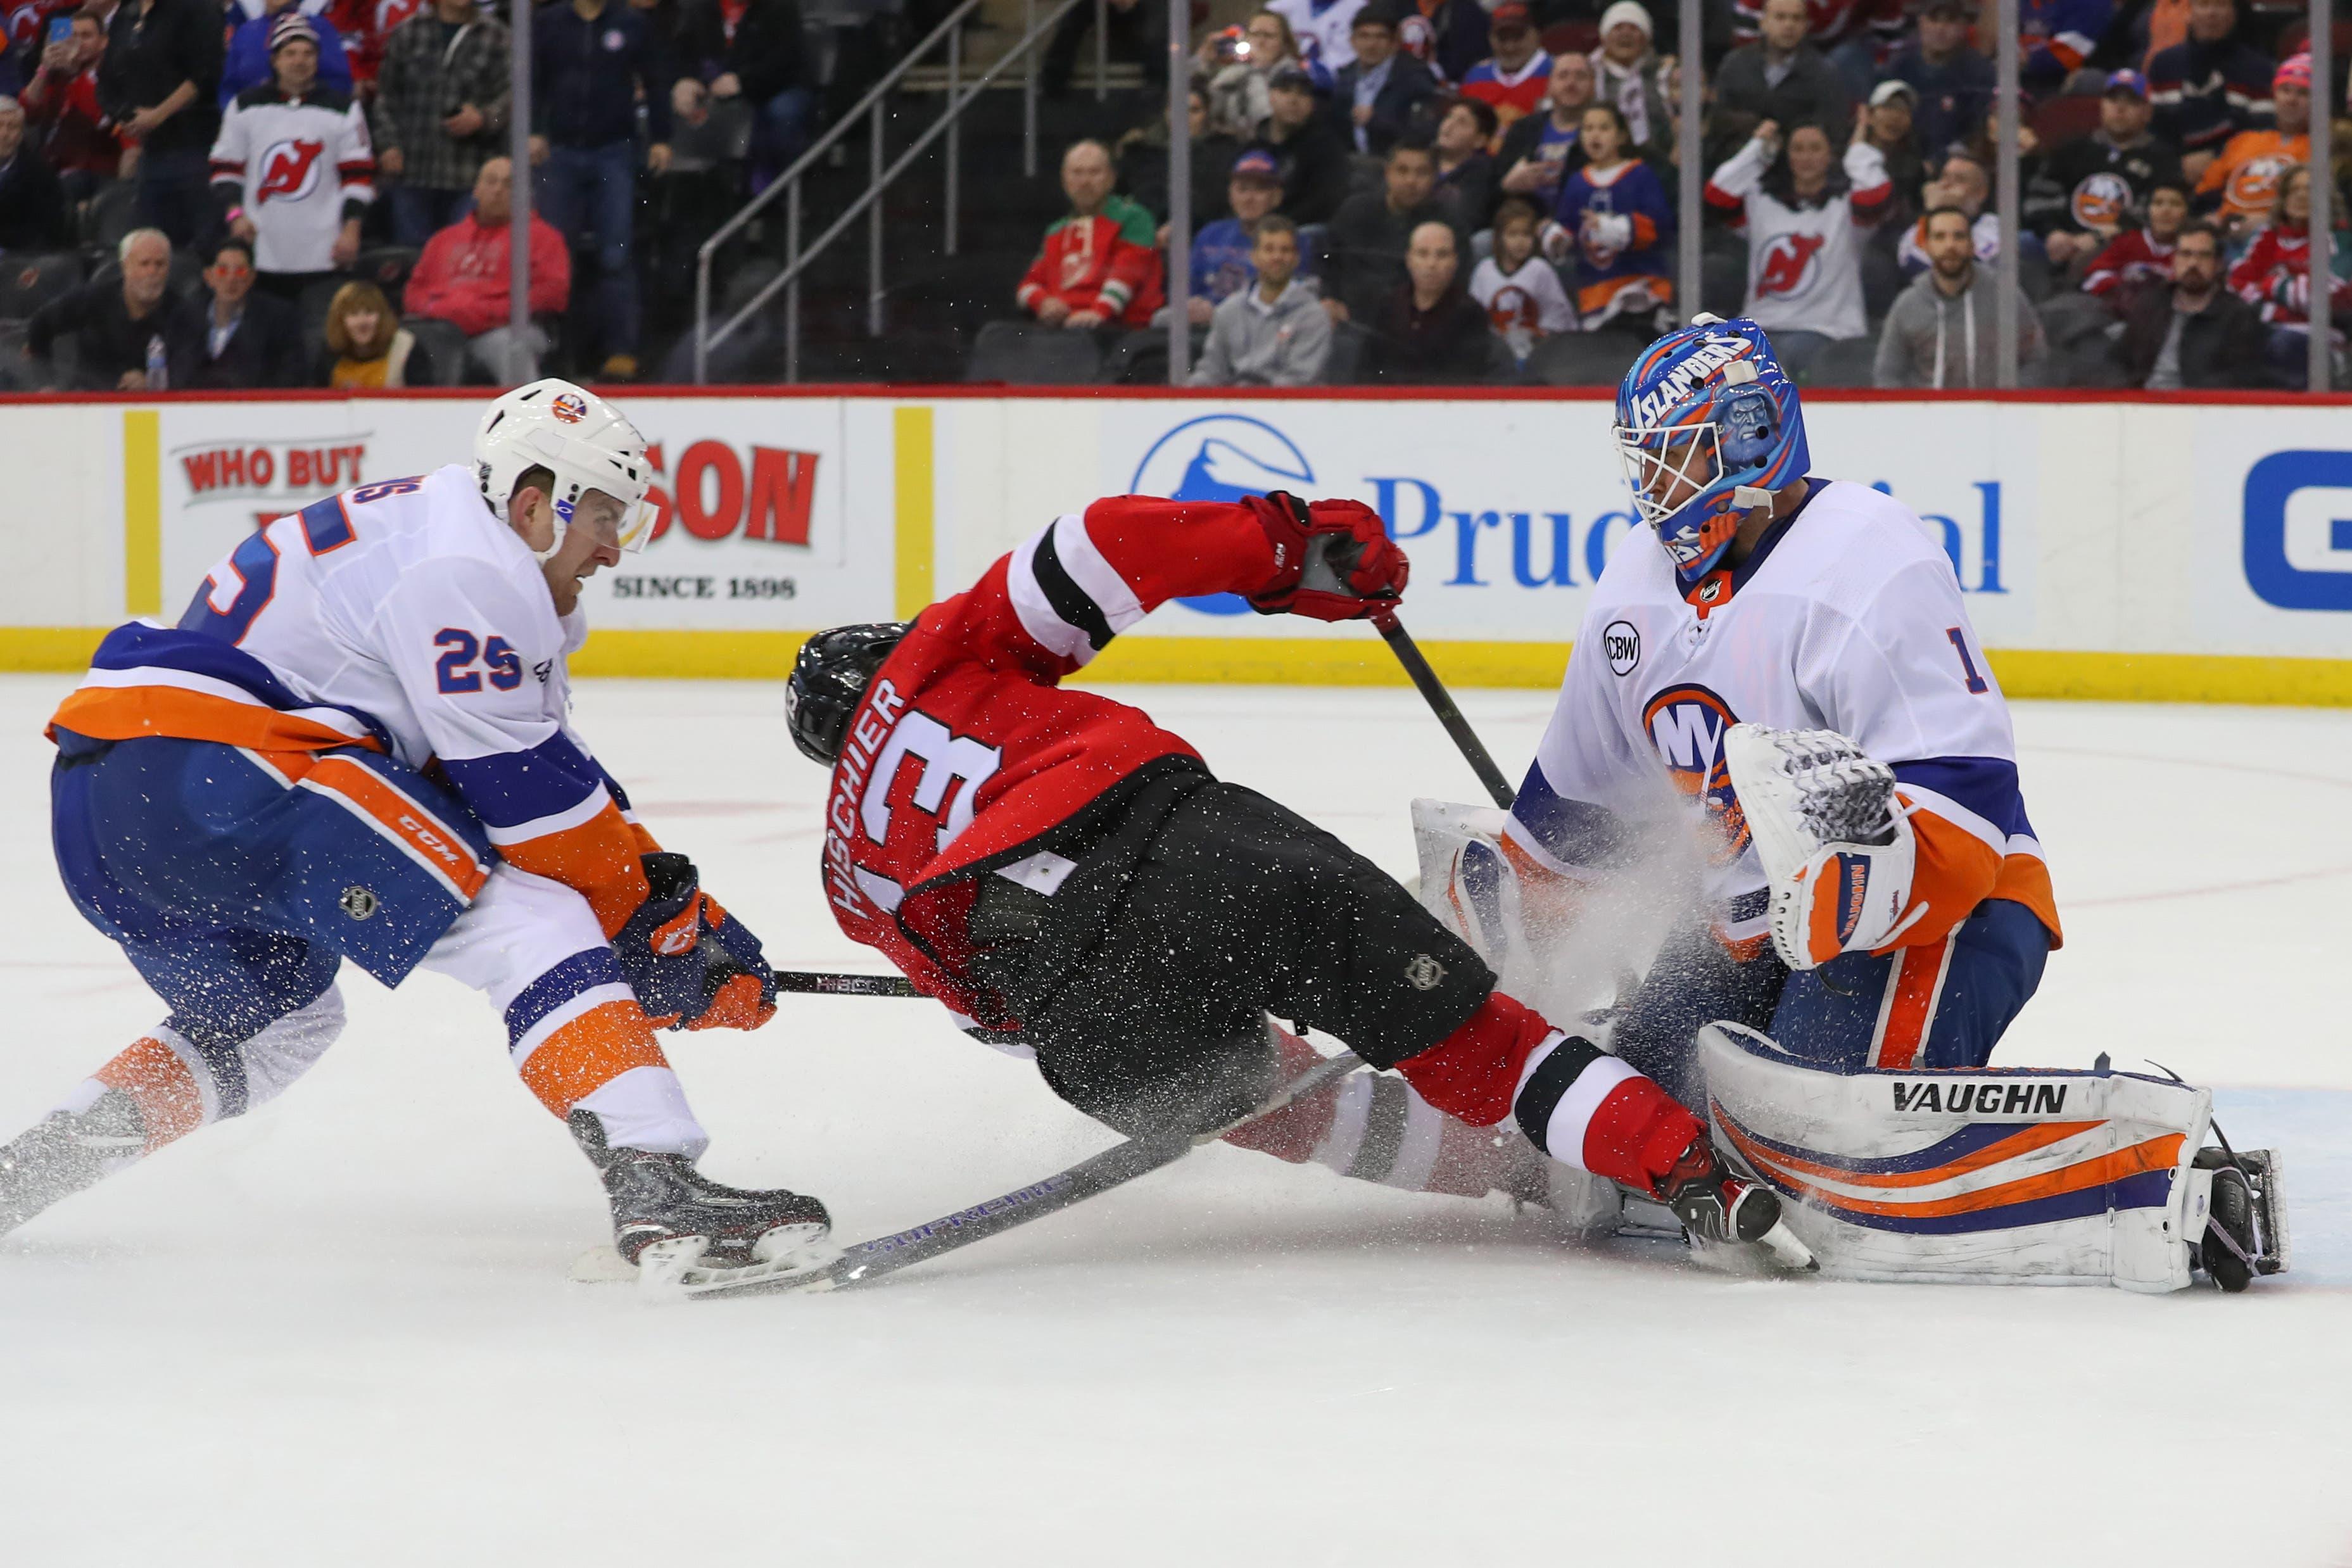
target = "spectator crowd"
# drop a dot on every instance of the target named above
(279, 193)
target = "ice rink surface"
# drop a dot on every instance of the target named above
(341, 1332)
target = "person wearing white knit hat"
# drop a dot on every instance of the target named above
(1630, 73)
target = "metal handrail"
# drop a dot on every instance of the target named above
(871, 106)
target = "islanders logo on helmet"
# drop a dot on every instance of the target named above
(1708, 425)
(569, 407)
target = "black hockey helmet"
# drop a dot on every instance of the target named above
(829, 680)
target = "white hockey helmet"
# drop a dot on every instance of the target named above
(579, 437)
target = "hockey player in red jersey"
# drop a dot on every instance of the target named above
(1065, 875)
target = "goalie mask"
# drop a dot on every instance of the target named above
(829, 680)
(577, 437)
(1707, 427)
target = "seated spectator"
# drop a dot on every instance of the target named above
(2083, 192)
(1142, 159)
(2208, 87)
(1378, 91)
(2275, 276)
(1943, 331)
(1966, 185)
(1520, 292)
(1428, 332)
(1856, 35)
(122, 327)
(248, 339)
(1613, 219)
(1272, 332)
(1371, 234)
(1801, 213)
(293, 169)
(1628, 73)
(2244, 178)
(1238, 87)
(1954, 81)
(1539, 151)
(367, 346)
(1887, 124)
(466, 276)
(1307, 151)
(1465, 174)
(32, 201)
(1779, 78)
(1449, 37)
(252, 47)
(1223, 252)
(2195, 334)
(1322, 28)
(158, 81)
(2138, 257)
(61, 110)
(1097, 267)
(443, 92)
(1514, 79)
(2055, 37)
(751, 50)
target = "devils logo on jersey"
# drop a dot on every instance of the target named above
(1788, 263)
(289, 169)
(2103, 201)
(1688, 724)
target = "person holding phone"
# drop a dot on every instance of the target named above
(61, 107)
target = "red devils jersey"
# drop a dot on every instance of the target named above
(967, 751)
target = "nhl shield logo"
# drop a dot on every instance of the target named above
(358, 902)
(1423, 972)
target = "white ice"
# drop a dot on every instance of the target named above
(340, 1331)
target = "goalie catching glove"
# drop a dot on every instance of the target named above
(691, 965)
(1836, 850)
(1333, 560)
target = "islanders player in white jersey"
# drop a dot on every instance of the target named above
(355, 744)
(1817, 612)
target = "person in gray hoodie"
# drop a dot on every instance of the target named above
(1273, 333)
(1942, 329)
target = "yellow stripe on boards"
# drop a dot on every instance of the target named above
(143, 512)
(913, 461)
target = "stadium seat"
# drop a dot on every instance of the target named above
(1849, 361)
(1345, 362)
(313, 309)
(1023, 354)
(29, 282)
(2065, 118)
(387, 266)
(111, 214)
(1583, 359)
(444, 343)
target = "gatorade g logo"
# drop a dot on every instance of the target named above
(2298, 530)
(289, 169)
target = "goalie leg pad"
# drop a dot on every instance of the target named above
(2024, 1177)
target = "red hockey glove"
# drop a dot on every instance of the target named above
(1334, 560)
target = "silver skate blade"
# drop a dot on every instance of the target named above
(809, 1256)
(1787, 1250)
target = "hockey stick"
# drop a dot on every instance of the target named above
(822, 982)
(871, 1260)
(1441, 702)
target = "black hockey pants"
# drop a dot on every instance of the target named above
(1144, 984)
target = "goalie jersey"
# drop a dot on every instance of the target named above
(1846, 618)
(401, 617)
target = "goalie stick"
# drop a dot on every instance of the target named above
(868, 1261)
(1441, 702)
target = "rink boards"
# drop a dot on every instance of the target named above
(2154, 549)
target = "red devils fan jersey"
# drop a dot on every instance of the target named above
(967, 751)
(1804, 263)
(298, 167)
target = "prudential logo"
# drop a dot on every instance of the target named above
(1221, 457)
(2298, 530)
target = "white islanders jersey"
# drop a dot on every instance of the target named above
(1844, 619)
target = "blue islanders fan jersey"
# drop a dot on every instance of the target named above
(402, 618)
(1846, 618)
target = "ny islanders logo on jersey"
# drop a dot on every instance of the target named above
(1688, 724)
(1788, 263)
(1221, 457)
(289, 169)
(2103, 201)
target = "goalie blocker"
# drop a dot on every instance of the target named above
(2025, 1177)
